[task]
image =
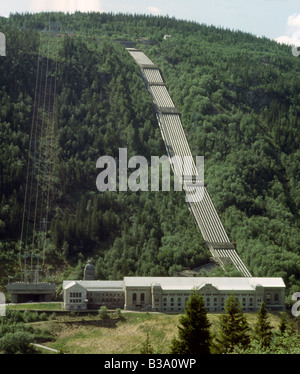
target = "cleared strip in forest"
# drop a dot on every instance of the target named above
(168, 117)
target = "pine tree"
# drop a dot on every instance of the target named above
(263, 328)
(234, 327)
(193, 336)
(283, 324)
(147, 347)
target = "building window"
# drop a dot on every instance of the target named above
(134, 298)
(142, 297)
(75, 294)
(268, 297)
(75, 297)
(276, 297)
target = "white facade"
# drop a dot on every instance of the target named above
(92, 294)
(74, 296)
(170, 294)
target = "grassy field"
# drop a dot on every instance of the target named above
(75, 336)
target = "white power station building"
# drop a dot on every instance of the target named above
(170, 294)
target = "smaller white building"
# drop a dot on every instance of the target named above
(75, 295)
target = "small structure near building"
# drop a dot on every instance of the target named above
(31, 289)
(22, 292)
(89, 271)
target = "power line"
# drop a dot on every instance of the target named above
(36, 205)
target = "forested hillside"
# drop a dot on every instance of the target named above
(239, 97)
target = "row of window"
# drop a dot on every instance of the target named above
(101, 294)
(75, 294)
(134, 297)
(208, 309)
(105, 299)
(269, 298)
(207, 300)
(76, 297)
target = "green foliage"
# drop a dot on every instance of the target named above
(283, 324)
(263, 328)
(18, 342)
(287, 342)
(234, 328)
(118, 313)
(193, 332)
(14, 316)
(147, 347)
(103, 313)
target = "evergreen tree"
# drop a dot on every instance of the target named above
(282, 324)
(147, 347)
(234, 327)
(193, 336)
(263, 328)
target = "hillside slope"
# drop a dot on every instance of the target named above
(239, 100)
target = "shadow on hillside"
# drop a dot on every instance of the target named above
(109, 322)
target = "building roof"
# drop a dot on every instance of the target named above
(70, 284)
(220, 283)
(179, 283)
(95, 284)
